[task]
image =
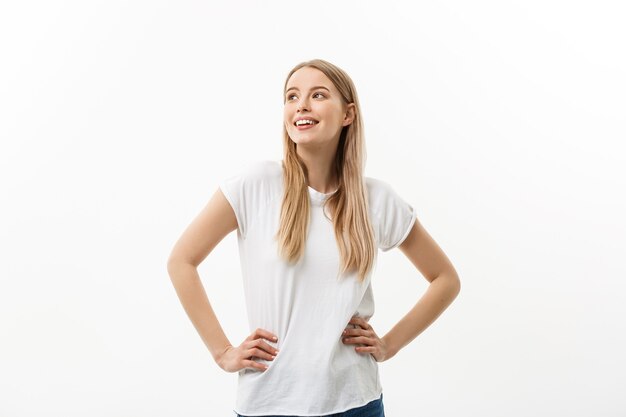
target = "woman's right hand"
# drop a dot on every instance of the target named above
(234, 359)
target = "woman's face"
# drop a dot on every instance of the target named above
(310, 94)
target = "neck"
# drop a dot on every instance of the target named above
(321, 176)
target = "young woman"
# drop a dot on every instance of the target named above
(309, 228)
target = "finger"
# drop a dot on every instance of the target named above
(259, 343)
(252, 364)
(365, 349)
(254, 352)
(360, 322)
(359, 340)
(358, 332)
(258, 333)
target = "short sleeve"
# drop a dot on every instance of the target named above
(233, 189)
(247, 192)
(395, 217)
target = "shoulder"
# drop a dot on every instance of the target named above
(393, 216)
(382, 197)
(375, 183)
(378, 189)
(258, 182)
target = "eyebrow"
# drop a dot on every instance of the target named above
(312, 88)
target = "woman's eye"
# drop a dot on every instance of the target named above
(315, 94)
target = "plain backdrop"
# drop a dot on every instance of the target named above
(501, 122)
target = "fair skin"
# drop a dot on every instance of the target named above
(316, 146)
(310, 93)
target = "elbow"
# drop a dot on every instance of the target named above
(455, 285)
(171, 268)
(171, 264)
(175, 266)
(451, 283)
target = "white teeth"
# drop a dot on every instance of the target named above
(305, 122)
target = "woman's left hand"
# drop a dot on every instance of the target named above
(364, 334)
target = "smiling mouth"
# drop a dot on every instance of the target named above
(305, 126)
(308, 123)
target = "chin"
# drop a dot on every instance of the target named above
(298, 137)
(304, 139)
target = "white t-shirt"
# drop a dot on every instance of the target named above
(306, 305)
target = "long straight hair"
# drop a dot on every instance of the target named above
(348, 206)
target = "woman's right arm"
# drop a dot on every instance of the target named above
(214, 222)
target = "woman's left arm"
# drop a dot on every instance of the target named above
(434, 265)
(430, 260)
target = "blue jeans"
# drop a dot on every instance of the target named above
(372, 409)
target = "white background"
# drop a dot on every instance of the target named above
(501, 122)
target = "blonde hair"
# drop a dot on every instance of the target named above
(348, 206)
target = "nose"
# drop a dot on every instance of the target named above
(302, 105)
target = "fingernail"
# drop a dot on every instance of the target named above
(345, 331)
(275, 338)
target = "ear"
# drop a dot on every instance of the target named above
(350, 114)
